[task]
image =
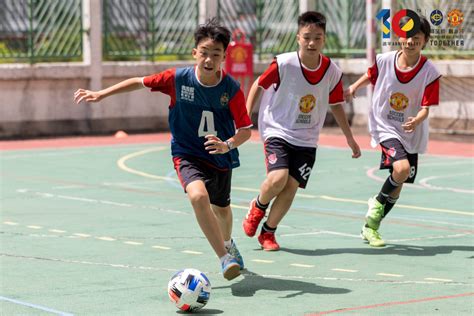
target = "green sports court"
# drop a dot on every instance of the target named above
(97, 225)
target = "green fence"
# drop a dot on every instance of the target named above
(51, 30)
(40, 30)
(149, 29)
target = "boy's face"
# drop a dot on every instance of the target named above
(412, 46)
(310, 39)
(209, 56)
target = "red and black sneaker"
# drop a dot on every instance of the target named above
(252, 219)
(268, 241)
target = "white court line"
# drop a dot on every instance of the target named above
(35, 306)
(279, 276)
(121, 163)
(191, 252)
(344, 270)
(262, 261)
(390, 275)
(81, 235)
(10, 223)
(371, 174)
(105, 238)
(87, 200)
(57, 231)
(424, 183)
(133, 243)
(34, 227)
(161, 247)
(300, 265)
(438, 280)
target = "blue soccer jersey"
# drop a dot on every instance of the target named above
(197, 110)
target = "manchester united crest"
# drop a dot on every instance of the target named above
(398, 101)
(307, 103)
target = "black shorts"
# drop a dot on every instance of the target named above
(393, 150)
(279, 154)
(217, 181)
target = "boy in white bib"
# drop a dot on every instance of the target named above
(406, 85)
(298, 88)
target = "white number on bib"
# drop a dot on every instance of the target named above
(305, 171)
(207, 121)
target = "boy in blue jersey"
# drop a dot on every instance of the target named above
(208, 121)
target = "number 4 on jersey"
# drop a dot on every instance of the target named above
(206, 126)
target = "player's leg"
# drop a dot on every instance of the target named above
(300, 165)
(276, 159)
(193, 177)
(400, 172)
(206, 218)
(279, 208)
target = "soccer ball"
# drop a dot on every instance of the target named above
(189, 289)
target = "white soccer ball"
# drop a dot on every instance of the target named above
(189, 289)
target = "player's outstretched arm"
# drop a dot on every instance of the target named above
(254, 96)
(95, 96)
(341, 119)
(349, 93)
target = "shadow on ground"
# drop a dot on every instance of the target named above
(252, 282)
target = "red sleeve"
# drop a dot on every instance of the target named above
(270, 76)
(373, 73)
(163, 82)
(239, 111)
(431, 94)
(336, 96)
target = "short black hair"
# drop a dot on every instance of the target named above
(312, 17)
(214, 31)
(424, 25)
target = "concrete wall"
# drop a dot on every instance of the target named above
(37, 100)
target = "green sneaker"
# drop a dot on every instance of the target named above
(374, 213)
(372, 236)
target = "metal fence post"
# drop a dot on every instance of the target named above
(92, 41)
(307, 5)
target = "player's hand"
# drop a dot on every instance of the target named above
(355, 148)
(215, 146)
(410, 124)
(349, 94)
(86, 95)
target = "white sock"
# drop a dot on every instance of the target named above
(224, 257)
(227, 243)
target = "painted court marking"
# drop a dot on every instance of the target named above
(35, 306)
(427, 299)
(121, 163)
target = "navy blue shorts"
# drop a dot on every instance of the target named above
(217, 181)
(279, 154)
(393, 150)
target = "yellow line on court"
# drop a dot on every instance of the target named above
(121, 163)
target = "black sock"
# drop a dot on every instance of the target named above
(268, 229)
(259, 204)
(388, 187)
(389, 205)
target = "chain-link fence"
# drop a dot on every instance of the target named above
(44, 30)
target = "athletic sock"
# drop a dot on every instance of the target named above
(224, 257)
(268, 229)
(388, 187)
(259, 204)
(227, 243)
(389, 205)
